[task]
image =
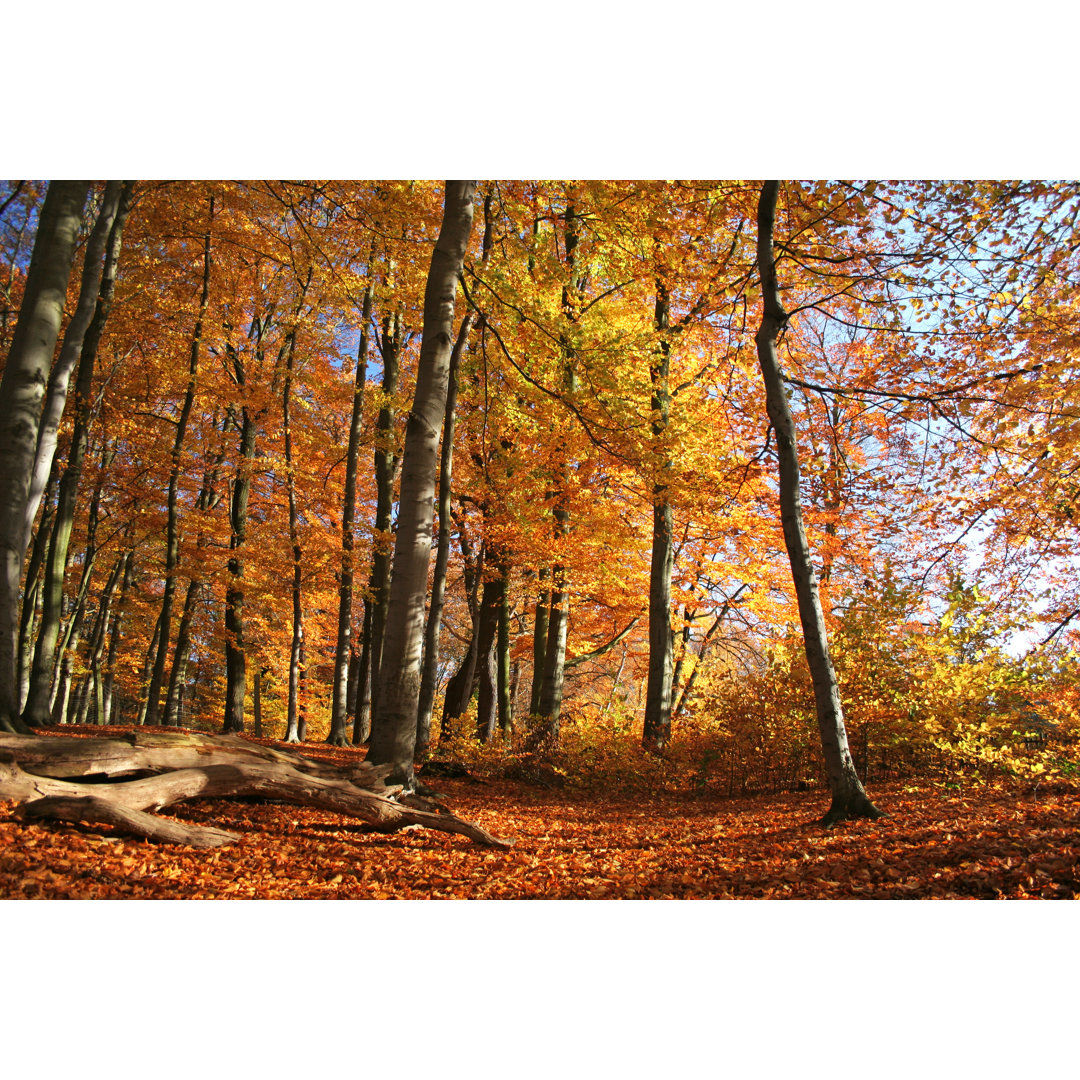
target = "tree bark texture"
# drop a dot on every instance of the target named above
(657, 727)
(95, 292)
(429, 676)
(22, 389)
(235, 655)
(102, 282)
(848, 797)
(386, 462)
(393, 737)
(343, 647)
(43, 774)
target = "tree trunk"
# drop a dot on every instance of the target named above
(22, 388)
(386, 462)
(503, 688)
(256, 700)
(491, 606)
(540, 638)
(549, 703)
(49, 654)
(95, 297)
(849, 800)
(549, 707)
(657, 729)
(115, 634)
(208, 499)
(28, 622)
(33, 772)
(343, 647)
(429, 676)
(362, 706)
(292, 723)
(172, 529)
(235, 657)
(393, 737)
(462, 684)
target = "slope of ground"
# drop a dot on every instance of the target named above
(981, 842)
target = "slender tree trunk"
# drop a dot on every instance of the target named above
(362, 708)
(657, 729)
(178, 672)
(209, 497)
(292, 724)
(296, 658)
(429, 677)
(491, 606)
(256, 700)
(393, 737)
(386, 463)
(848, 797)
(540, 639)
(62, 693)
(549, 707)
(549, 704)
(115, 634)
(22, 389)
(504, 690)
(49, 654)
(96, 648)
(462, 684)
(235, 656)
(172, 529)
(343, 648)
(32, 589)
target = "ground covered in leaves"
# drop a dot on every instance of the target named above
(990, 842)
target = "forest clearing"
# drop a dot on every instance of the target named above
(667, 511)
(940, 840)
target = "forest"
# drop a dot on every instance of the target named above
(715, 504)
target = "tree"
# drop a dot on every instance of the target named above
(848, 797)
(393, 737)
(21, 391)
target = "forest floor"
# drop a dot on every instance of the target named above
(981, 841)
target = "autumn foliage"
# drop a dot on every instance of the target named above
(610, 414)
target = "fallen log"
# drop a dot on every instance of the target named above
(38, 777)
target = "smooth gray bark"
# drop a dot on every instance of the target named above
(95, 281)
(848, 797)
(343, 648)
(393, 736)
(429, 675)
(22, 389)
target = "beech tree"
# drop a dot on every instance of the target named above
(393, 736)
(22, 389)
(848, 797)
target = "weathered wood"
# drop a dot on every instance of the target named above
(95, 810)
(226, 768)
(153, 751)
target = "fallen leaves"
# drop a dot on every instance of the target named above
(979, 843)
(575, 845)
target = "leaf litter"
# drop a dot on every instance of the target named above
(991, 842)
